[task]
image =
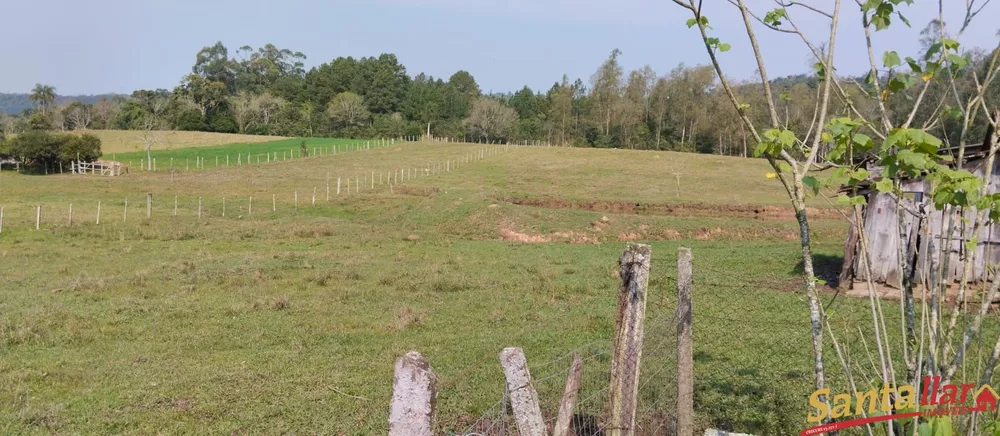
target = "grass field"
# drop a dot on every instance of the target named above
(290, 321)
(236, 153)
(125, 141)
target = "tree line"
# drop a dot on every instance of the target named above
(268, 91)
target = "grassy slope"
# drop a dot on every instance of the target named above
(286, 149)
(124, 141)
(179, 325)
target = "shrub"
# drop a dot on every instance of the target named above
(85, 148)
(224, 124)
(44, 149)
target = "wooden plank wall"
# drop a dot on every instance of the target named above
(883, 240)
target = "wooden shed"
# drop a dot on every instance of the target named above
(884, 247)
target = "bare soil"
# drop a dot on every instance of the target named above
(678, 209)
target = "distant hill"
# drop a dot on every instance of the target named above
(14, 104)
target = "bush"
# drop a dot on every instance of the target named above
(190, 120)
(44, 149)
(85, 148)
(224, 124)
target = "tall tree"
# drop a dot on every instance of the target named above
(561, 107)
(243, 106)
(44, 96)
(213, 64)
(490, 119)
(348, 110)
(607, 89)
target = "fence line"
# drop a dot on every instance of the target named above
(387, 180)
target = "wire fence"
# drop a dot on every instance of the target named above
(753, 364)
(67, 213)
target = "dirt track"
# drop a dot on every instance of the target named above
(679, 209)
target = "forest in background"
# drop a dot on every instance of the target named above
(268, 91)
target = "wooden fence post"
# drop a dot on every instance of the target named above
(38, 216)
(125, 212)
(71, 214)
(149, 205)
(523, 398)
(98, 212)
(199, 207)
(338, 185)
(175, 205)
(250, 206)
(634, 275)
(561, 427)
(685, 344)
(274, 204)
(414, 395)
(1, 219)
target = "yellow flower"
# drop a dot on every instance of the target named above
(772, 175)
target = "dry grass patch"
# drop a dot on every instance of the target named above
(123, 141)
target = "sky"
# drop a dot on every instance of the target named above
(100, 46)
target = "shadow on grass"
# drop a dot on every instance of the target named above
(747, 400)
(825, 266)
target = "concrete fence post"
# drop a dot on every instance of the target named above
(523, 398)
(414, 395)
(634, 275)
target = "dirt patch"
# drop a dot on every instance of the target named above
(704, 234)
(510, 235)
(677, 209)
(670, 234)
(972, 294)
(576, 237)
(414, 190)
(572, 237)
(629, 236)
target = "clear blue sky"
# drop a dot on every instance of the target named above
(97, 46)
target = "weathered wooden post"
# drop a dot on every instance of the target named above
(523, 398)
(175, 205)
(414, 395)
(199, 207)
(274, 204)
(149, 205)
(71, 214)
(338, 185)
(98, 212)
(634, 275)
(562, 425)
(125, 212)
(1, 219)
(685, 344)
(223, 207)
(296, 200)
(250, 206)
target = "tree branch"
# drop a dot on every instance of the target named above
(811, 8)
